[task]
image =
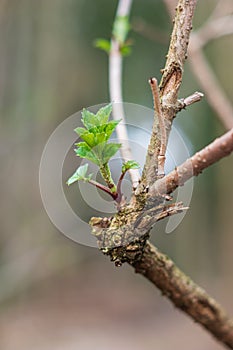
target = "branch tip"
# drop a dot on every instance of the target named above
(187, 101)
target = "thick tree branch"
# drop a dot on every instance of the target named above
(129, 243)
(200, 67)
(124, 236)
(177, 53)
(169, 87)
(185, 294)
(115, 88)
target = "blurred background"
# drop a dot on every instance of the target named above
(55, 293)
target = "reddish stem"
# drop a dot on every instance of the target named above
(119, 198)
(104, 188)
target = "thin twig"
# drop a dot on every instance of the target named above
(187, 101)
(103, 188)
(115, 87)
(161, 126)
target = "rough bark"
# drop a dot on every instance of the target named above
(219, 148)
(185, 294)
(124, 237)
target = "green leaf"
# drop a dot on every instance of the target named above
(107, 128)
(130, 164)
(103, 44)
(84, 151)
(80, 144)
(100, 138)
(89, 138)
(125, 50)
(92, 139)
(110, 127)
(109, 150)
(80, 174)
(103, 114)
(121, 28)
(89, 119)
(80, 131)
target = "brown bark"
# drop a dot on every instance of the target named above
(185, 294)
(124, 237)
(219, 148)
(169, 87)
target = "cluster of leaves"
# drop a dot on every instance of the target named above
(120, 32)
(95, 147)
(95, 135)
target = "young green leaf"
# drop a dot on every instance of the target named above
(80, 174)
(84, 151)
(80, 131)
(103, 114)
(109, 151)
(103, 44)
(93, 140)
(107, 129)
(125, 50)
(110, 127)
(89, 119)
(130, 164)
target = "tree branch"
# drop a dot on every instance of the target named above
(187, 101)
(185, 294)
(201, 69)
(219, 148)
(169, 88)
(124, 236)
(129, 243)
(115, 88)
(177, 53)
(161, 126)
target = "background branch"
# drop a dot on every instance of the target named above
(208, 82)
(215, 28)
(115, 88)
